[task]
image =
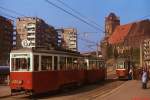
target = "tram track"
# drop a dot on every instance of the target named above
(90, 92)
(86, 92)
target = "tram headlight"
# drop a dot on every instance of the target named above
(20, 82)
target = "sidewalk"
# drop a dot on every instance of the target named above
(131, 90)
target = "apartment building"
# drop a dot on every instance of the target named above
(6, 39)
(69, 39)
(34, 32)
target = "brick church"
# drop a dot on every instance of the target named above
(124, 40)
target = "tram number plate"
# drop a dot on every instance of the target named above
(16, 81)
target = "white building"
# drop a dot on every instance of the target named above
(69, 39)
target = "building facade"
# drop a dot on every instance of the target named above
(146, 51)
(126, 39)
(123, 41)
(68, 38)
(34, 32)
(6, 39)
(111, 22)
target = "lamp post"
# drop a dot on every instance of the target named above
(141, 54)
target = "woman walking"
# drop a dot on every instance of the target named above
(144, 79)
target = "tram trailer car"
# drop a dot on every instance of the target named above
(39, 71)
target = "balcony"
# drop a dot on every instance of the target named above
(31, 36)
(31, 31)
(72, 39)
(31, 26)
(33, 42)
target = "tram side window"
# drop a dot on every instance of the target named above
(94, 65)
(20, 64)
(97, 64)
(62, 63)
(36, 62)
(90, 64)
(69, 63)
(82, 64)
(46, 62)
(75, 63)
(101, 64)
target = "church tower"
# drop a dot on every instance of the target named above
(111, 22)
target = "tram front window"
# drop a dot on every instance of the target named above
(20, 64)
(120, 65)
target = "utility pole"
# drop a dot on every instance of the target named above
(141, 55)
(97, 49)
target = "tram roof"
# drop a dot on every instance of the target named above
(39, 50)
(122, 59)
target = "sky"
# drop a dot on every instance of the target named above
(95, 10)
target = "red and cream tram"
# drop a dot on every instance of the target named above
(37, 70)
(122, 68)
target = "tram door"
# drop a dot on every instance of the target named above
(55, 62)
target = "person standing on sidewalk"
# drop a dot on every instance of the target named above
(144, 79)
(130, 74)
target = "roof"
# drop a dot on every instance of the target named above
(141, 28)
(120, 33)
(112, 16)
(45, 50)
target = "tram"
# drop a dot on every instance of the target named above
(37, 71)
(122, 68)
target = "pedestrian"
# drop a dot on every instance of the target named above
(144, 78)
(130, 74)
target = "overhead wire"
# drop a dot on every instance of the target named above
(77, 12)
(12, 11)
(75, 16)
(8, 15)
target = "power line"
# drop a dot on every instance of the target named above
(12, 11)
(73, 15)
(77, 12)
(86, 40)
(8, 15)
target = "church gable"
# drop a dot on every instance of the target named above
(119, 34)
